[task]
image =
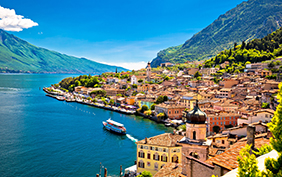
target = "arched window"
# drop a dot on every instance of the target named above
(141, 164)
(164, 158)
(194, 135)
(174, 159)
(141, 154)
(156, 156)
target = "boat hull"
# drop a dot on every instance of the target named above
(109, 128)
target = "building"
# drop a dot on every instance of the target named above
(133, 80)
(153, 153)
(149, 71)
(194, 144)
(222, 120)
(171, 110)
(166, 64)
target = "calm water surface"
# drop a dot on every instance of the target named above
(40, 136)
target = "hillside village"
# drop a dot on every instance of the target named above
(212, 114)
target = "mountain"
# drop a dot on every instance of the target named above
(257, 50)
(249, 20)
(17, 55)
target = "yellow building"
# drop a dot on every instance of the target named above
(153, 153)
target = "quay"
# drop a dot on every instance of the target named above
(62, 96)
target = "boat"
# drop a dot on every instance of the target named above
(114, 127)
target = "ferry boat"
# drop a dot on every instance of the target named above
(114, 127)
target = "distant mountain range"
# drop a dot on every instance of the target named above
(249, 20)
(17, 55)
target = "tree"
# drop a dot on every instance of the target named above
(264, 149)
(144, 108)
(145, 174)
(160, 99)
(140, 80)
(197, 74)
(215, 129)
(247, 163)
(134, 86)
(265, 105)
(112, 102)
(153, 106)
(273, 166)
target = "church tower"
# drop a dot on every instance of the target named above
(194, 143)
(149, 71)
(196, 124)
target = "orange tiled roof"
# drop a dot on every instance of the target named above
(170, 170)
(228, 159)
(166, 139)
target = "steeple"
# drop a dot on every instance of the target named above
(148, 71)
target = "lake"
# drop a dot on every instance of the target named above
(41, 136)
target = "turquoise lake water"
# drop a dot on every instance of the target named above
(41, 136)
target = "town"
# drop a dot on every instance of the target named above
(215, 114)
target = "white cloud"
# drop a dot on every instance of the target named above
(129, 65)
(10, 21)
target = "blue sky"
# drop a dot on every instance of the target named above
(127, 33)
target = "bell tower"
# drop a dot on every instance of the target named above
(148, 71)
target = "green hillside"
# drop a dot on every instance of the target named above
(17, 55)
(249, 20)
(257, 50)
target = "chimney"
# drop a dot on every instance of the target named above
(251, 136)
(146, 140)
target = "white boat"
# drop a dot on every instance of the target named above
(114, 127)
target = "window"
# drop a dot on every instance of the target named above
(230, 123)
(141, 147)
(148, 156)
(174, 159)
(141, 164)
(222, 141)
(213, 123)
(141, 154)
(221, 123)
(156, 156)
(194, 135)
(224, 118)
(224, 123)
(160, 149)
(164, 150)
(151, 148)
(164, 158)
(266, 115)
(156, 149)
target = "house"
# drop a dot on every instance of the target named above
(221, 120)
(264, 115)
(223, 65)
(171, 110)
(229, 83)
(241, 130)
(224, 93)
(155, 152)
(263, 73)
(166, 64)
(114, 92)
(133, 80)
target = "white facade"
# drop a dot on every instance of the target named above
(133, 80)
